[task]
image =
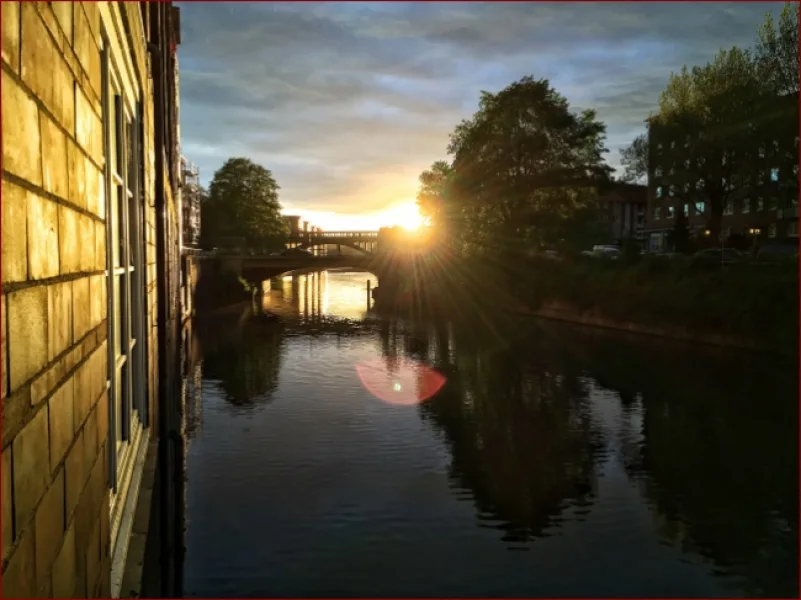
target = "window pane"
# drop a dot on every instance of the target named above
(130, 172)
(115, 317)
(118, 412)
(112, 119)
(119, 147)
(119, 227)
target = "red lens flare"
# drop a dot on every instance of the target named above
(402, 381)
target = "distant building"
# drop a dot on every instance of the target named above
(292, 223)
(621, 211)
(768, 209)
(191, 196)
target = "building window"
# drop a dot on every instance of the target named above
(772, 230)
(792, 228)
(773, 203)
(728, 208)
(761, 152)
(686, 210)
(774, 174)
(795, 170)
(657, 212)
(700, 184)
(658, 172)
(672, 191)
(659, 191)
(746, 206)
(671, 211)
(700, 207)
(124, 269)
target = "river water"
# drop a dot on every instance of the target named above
(335, 453)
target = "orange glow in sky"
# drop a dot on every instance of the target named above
(403, 381)
(404, 214)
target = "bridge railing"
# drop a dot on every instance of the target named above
(335, 235)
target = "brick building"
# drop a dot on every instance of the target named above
(90, 247)
(621, 211)
(763, 207)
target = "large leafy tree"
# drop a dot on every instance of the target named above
(243, 202)
(523, 165)
(777, 50)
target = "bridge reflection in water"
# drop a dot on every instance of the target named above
(307, 295)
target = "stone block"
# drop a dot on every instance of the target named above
(77, 175)
(3, 350)
(100, 246)
(83, 392)
(10, 25)
(15, 411)
(38, 54)
(19, 576)
(31, 458)
(90, 438)
(62, 424)
(93, 560)
(63, 12)
(8, 513)
(87, 50)
(97, 299)
(75, 473)
(49, 528)
(63, 573)
(102, 416)
(20, 130)
(69, 243)
(59, 300)
(80, 308)
(27, 334)
(95, 190)
(42, 237)
(86, 228)
(105, 533)
(54, 158)
(14, 243)
(88, 127)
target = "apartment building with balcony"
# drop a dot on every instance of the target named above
(760, 191)
(90, 247)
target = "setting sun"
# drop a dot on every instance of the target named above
(406, 215)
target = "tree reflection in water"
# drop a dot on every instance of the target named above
(717, 456)
(244, 355)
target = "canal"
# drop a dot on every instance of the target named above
(336, 453)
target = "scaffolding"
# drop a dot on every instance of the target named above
(191, 196)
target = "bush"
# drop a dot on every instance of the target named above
(744, 300)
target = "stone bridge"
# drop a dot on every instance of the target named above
(363, 241)
(256, 268)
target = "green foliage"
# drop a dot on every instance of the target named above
(634, 160)
(243, 203)
(751, 301)
(777, 50)
(523, 167)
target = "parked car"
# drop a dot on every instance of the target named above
(778, 251)
(296, 252)
(724, 256)
(606, 252)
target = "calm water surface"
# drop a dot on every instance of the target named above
(552, 461)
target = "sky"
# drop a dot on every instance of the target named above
(347, 103)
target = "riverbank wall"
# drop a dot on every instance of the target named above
(560, 311)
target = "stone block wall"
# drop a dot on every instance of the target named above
(55, 482)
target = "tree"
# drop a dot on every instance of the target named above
(776, 50)
(434, 201)
(243, 202)
(522, 166)
(634, 160)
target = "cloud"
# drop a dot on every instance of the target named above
(347, 102)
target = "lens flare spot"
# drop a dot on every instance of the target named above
(402, 381)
